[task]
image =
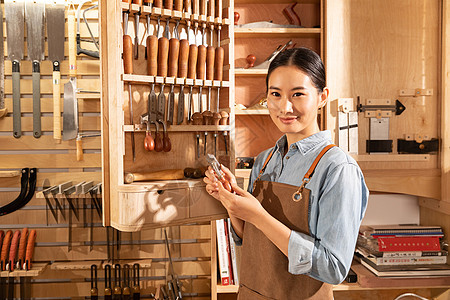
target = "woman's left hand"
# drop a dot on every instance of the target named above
(241, 204)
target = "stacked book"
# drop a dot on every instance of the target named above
(227, 254)
(402, 250)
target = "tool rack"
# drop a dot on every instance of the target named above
(130, 207)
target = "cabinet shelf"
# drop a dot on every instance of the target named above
(275, 1)
(277, 32)
(227, 289)
(260, 112)
(179, 128)
(250, 72)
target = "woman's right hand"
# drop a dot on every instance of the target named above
(211, 180)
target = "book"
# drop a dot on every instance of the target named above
(410, 243)
(410, 260)
(400, 230)
(222, 254)
(233, 255)
(227, 236)
(406, 270)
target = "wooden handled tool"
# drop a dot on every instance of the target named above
(195, 7)
(152, 55)
(187, 6)
(5, 249)
(158, 3)
(172, 174)
(13, 250)
(203, 5)
(183, 59)
(168, 4)
(71, 31)
(2, 236)
(136, 28)
(174, 51)
(127, 54)
(178, 5)
(30, 250)
(163, 55)
(22, 248)
(211, 9)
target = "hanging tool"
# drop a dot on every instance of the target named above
(291, 15)
(187, 6)
(218, 75)
(158, 3)
(11, 262)
(117, 291)
(34, 18)
(55, 16)
(136, 288)
(192, 65)
(172, 279)
(94, 289)
(20, 263)
(178, 5)
(30, 250)
(95, 203)
(210, 57)
(2, 288)
(136, 26)
(15, 18)
(126, 291)
(4, 259)
(201, 61)
(182, 73)
(108, 290)
(72, 209)
(168, 4)
(23, 198)
(148, 3)
(94, 54)
(174, 51)
(3, 109)
(128, 69)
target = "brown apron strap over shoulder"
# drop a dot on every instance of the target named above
(306, 177)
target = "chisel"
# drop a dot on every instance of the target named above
(192, 64)
(148, 3)
(94, 289)
(2, 283)
(207, 114)
(128, 69)
(30, 250)
(174, 51)
(218, 74)
(178, 6)
(152, 70)
(21, 258)
(11, 262)
(201, 61)
(4, 260)
(136, 28)
(182, 73)
(108, 291)
(168, 4)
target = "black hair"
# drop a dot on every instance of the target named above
(306, 60)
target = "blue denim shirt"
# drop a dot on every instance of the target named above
(338, 201)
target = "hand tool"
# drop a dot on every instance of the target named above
(223, 121)
(4, 259)
(55, 16)
(21, 261)
(158, 3)
(94, 289)
(11, 262)
(251, 59)
(95, 203)
(3, 110)
(187, 6)
(15, 16)
(182, 73)
(192, 64)
(171, 174)
(164, 293)
(148, 3)
(178, 6)
(237, 16)
(34, 18)
(108, 290)
(168, 4)
(136, 289)
(291, 15)
(201, 61)
(94, 54)
(30, 250)
(67, 192)
(128, 69)
(174, 285)
(126, 291)
(117, 290)
(280, 48)
(163, 54)
(215, 165)
(174, 51)
(207, 114)
(21, 202)
(136, 26)
(23, 191)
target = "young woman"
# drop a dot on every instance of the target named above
(299, 220)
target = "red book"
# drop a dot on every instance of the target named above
(413, 243)
(227, 235)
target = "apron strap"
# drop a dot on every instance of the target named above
(307, 175)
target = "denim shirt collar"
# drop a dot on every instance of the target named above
(307, 144)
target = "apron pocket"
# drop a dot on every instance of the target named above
(246, 293)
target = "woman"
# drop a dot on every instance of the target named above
(299, 220)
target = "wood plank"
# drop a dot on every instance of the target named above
(26, 87)
(26, 106)
(51, 161)
(55, 178)
(445, 100)
(84, 123)
(45, 142)
(276, 32)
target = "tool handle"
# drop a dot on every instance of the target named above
(195, 7)
(224, 118)
(57, 106)
(152, 55)
(203, 8)
(148, 2)
(227, 185)
(79, 149)
(183, 59)
(201, 62)
(168, 4)
(216, 118)
(72, 43)
(178, 5)
(30, 249)
(219, 9)
(187, 6)
(2, 236)
(192, 63)
(13, 250)
(219, 64)
(174, 52)
(127, 54)
(149, 142)
(158, 3)
(158, 142)
(159, 175)
(211, 8)
(138, 2)
(210, 57)
(197, 118)
(163, 54)
(5, 248)
(127, 1)
(22, 247)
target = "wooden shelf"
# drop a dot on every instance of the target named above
(276, 32)
(261, 112)
(265, 2)
(88, 96)
(37, 268)
(250, 72)
(227, 289)
(391, 157)
(179, 128)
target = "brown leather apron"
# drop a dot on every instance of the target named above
(264, 270)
